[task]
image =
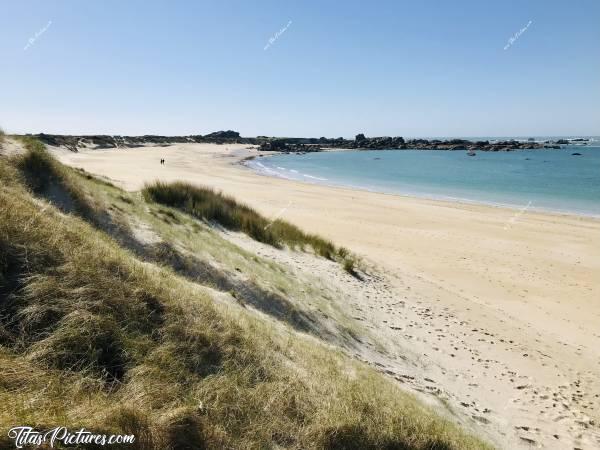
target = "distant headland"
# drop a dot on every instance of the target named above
(290, 144)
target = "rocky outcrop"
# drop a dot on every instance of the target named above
(361, 142)
(288, 145)
(281, 145)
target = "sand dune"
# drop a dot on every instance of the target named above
(497, 310)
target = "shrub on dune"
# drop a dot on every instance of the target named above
(207, 204)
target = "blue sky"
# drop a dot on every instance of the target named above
(418, 68)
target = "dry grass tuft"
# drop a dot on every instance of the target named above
(92, 337)
(206, 204)
(48, 178)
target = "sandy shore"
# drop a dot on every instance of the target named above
(504, 306)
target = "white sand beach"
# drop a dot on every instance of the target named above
(501, 308)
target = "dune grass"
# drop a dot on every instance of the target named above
(92, 337)
(206, 204)
(48, 178)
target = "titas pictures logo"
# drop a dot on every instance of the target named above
(24, 435)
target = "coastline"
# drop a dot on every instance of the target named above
(329, 210)
(245, 162)
(499, 309)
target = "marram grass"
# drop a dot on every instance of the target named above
(92, 337)
(206, 204)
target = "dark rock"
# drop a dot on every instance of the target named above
(229, 134)
(281, 145)
(288, 145)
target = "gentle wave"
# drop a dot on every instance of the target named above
(546, 180)
(280, 172)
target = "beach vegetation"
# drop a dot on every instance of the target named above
(48, 178)
(349, 266)
(214, 207)
(93, 336)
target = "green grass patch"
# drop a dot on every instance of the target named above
(206, 204)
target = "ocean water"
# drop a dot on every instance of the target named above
(550, 180)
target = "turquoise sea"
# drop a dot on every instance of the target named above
(551, 180)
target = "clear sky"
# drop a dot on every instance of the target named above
(399, 68)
